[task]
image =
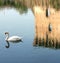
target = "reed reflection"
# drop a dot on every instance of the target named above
(47, 24)
(48, 42)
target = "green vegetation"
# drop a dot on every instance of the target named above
(14, 3)
(21, 5)
(55, 4)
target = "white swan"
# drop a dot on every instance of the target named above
(13, 38)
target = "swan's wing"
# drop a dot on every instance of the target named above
(14, 38)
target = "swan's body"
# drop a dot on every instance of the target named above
(13, 38)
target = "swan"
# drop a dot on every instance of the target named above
(13, 38)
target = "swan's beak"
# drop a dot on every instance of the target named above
(5, 33)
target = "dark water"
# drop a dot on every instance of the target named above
(23, 25)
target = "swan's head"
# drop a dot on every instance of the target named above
(6, 33)
(7, 36)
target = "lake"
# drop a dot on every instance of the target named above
(23, 24)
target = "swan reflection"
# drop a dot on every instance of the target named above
(8, 43)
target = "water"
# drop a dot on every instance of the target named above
(23, 25)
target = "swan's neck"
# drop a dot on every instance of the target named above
(7, 36)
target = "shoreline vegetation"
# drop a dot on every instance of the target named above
(31, 3)
(43, 37)
(23, 5)
(15, 4)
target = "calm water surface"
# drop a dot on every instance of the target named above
(22, 52)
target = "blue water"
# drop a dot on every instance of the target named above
(23, 52)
